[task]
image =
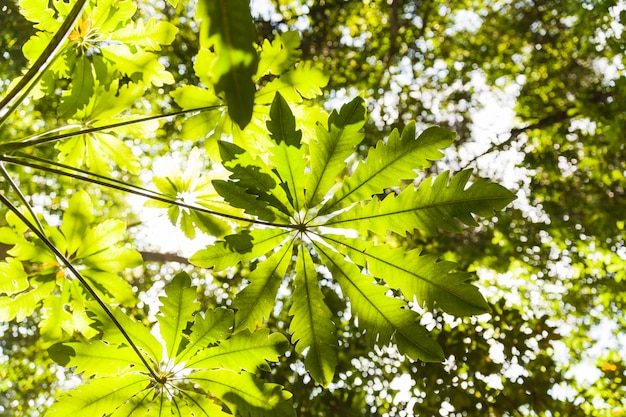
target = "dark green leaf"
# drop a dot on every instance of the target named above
(282, 124)
(228, 26)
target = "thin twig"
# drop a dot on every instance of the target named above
(19, 193)
(40, 234)
(550, 120)
(152, 195)
(13, 146)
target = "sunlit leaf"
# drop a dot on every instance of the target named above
(434, 205)
(334, 144)
(228, 26)
(255, 302)
(178, 306)
(312, 328)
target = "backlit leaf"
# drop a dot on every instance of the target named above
(178, 306)
(256, 301)
(312, 328)
(434, 205)
(390, 162)
(333, 146)
(382, 317)
(228, 26)
(243, 351)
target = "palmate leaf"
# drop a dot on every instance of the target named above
(55, 319)
(96, 151)
(13, 278)
(76, 219)
(279, 55)
(208, 370)
(239, 248)
(97, 358)
(304, 81)
(136, 331)
(290, 162)
(282, 124)
(434, 205)
(324, 206)
(245, 394)
(250, 185)
(207, 330)
(243, 351)
(256, 301)
(25, 303)
(96, 248)
(192, 186)
(99, 396)
(82, 88)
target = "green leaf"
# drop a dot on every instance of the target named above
(13, 278)
(55, 319)
(95, 152)
(76, 220)
(82, 88)
(208, 329)
(25, 303)
(256, 301)
(279, 55)
(96, 358)
(140, 335)
(423, 277)
(238, 197)
(389, 162)
(193, 97)
(99, 396)
(290, 164)
(434, 205)
(228, 26)
(120, 385)
(380, 316)
(150, 35)
(332, 148)
(243, 351)
(224, 254)
(282, 124)
(39, 12)
(254, 178)
(246, 395)
(178, 306)
(302, 82)
(101, 237)
(312, 329)
(139, 66)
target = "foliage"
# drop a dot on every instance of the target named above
(205, 366)
(279, 192)
(323, 227)
(32, 278)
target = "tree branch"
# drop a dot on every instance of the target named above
(163, 257)
(558, 117)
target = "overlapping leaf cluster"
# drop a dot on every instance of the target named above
(32, 277)
(313, 205)
(199, 367)
(102, 70)
(314, 210)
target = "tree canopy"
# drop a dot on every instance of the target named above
(395, 208)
